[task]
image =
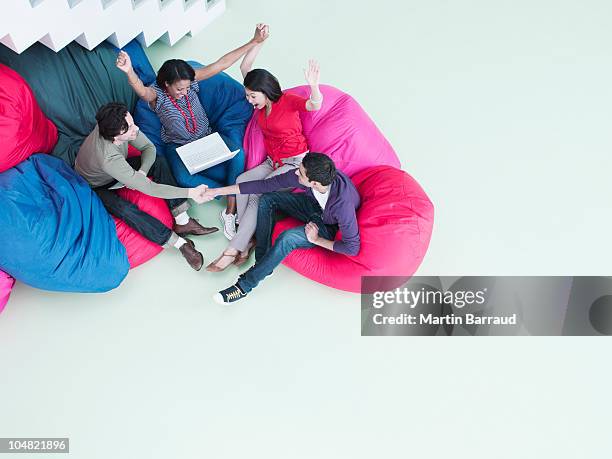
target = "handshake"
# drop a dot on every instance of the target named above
(201, 194)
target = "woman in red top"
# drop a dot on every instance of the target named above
(279, 119)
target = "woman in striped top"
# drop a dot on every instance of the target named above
(174, 98)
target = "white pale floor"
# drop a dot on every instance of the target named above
(502, 111)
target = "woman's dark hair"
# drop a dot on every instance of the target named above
(111, 120)
(319, 168)
(261, 80)
(174, 70)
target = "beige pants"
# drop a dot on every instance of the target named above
(247, 204)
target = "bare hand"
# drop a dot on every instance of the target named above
(124, 63)
(199, 194)
(210, 194)
(312, 73)
(262, 32)
(312, 232)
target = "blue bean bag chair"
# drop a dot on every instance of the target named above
(56, 233)
(228, 111)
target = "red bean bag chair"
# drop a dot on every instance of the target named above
(395, 218)
(140, 249)
(24, 129)
(395, 224)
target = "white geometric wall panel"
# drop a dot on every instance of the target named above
(55, 23)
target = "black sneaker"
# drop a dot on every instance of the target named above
(229, 295)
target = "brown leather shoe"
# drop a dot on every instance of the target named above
(193, 257)
(192, 227)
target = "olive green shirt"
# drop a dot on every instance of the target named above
(101, 163)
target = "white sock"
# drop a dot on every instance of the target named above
(182, 219)
(179, 242)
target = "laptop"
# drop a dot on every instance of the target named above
(204, 153)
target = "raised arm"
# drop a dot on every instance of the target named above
(124, 63)
(251, 55)
(230, 58)
(312, 78)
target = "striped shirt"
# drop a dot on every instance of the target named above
(174, 127)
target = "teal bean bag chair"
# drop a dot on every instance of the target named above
(70, 86)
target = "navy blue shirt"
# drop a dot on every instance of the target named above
(340, 209)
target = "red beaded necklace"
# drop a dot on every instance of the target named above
(193, 119)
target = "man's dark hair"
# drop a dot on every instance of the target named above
(261, 80)
(174, 70)
(319, 168)
(111, 120)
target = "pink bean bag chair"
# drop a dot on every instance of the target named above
(396, 216)
(140, 249)
(24, 129)
(395, 224)
(6, 285)
(341, 129)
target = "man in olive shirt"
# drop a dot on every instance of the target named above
(102, 161)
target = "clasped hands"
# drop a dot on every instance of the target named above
(202, 194)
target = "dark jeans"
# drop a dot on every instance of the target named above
(147, 225)
(297, 205)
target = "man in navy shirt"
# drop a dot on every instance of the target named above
(328, 205)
